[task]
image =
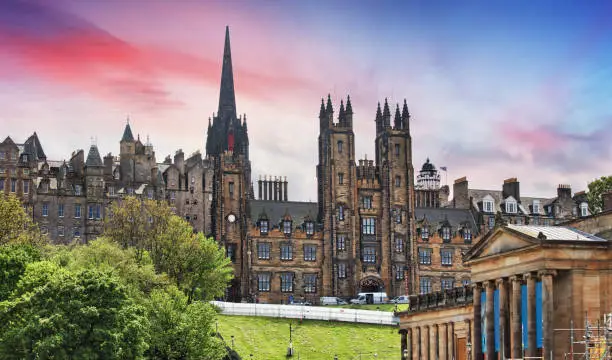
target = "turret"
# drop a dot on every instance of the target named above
(379, 119)
(405, 117)
(397, 121)
(348, 114)
(341, 114)
(386, 115)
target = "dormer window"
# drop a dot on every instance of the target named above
(309, 228)
(511, 206)
(536, 207)
(446, 234)
(77, 190)
(263, 227)
(584, 209)
(425, 233)
(487, 206)
(467, 235)
(287, 227)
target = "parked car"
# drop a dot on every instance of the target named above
(371, 298)
(402, 299)
(332, 300)
(301, 302)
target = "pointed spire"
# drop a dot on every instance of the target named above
(127, 132)
(93, 157)
(405, 117)
(386, 115)
(209, 123)
(379, 119)
(329, 109)
(227, 97)
(244, 125)
(341, 113)
(397, 121)
(349, 107)
(322, 111)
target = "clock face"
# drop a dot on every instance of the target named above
(231, 218)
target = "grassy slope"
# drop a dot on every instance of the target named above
(268, 338)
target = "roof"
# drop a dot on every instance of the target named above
(456, 217)
(93, 157)
(127, 133)
(275, 210)
(33, 147)
(525, 202)
(554, 233)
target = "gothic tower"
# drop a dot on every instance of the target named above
(337, 195)
(227, 146)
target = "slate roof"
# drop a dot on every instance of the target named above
(456, 217)
(275, 210)
(525, 203)
(33, 147)
(555, 233)
(127, 133)
(93, 157)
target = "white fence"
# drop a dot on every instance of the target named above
(308, 312)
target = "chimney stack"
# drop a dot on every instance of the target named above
(285, 191)
(607, 201)
(280, 188)
(564, 191)
(259, 194)
(461, 198)
(511, 187)
(270, 191)
(275, 188)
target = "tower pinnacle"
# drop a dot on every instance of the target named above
(227, 97)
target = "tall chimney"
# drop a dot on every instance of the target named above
(460, 194)
(280, 188)
(275, 188)
(265, 187)
(607, 201)
(270, 193)
(259, 188)
(285, 185)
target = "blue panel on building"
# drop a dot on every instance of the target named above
(524, 314)
(483, 322)
(539, 323)
(496, 317)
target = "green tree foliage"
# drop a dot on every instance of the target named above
(180, 330)
(13, 262)
(16, 227)
(597, 188)
(196, 264)
(75, 315)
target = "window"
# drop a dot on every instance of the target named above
(447, 283)
(77, 211)
(263, 251)
(467, 235)
(286, 282)
(77, 233)
(2, 171)
(399, 243)
(341, 242)
(491, 222)
(398, 181)
(287, 227)
(399, 272)
(369, 255)
(231, 252)
(425, 285)
(340, 145)
(2, 155)
(584, 209)
(536, 207)
(397, 150)
(14, 156)
(366, 202)
(60, 210)
(150, 194)
(286, 252)
(309, 228)
(446, 257)
(487, 206)
(26, 187)
(263, 227)
(424, 256)
(368, 226)
(26, 172)
(263, 282)
(13, 185)
(90, 212)
(341, 213)
(44, 230)
(310, 283)
(45, 209)
(310, 253)
(397, 213)
(511, 207)
(340, 178)
(341, 271)
(425, 233)
(111, 191)
(60, 230)
(446, 234)
(231, 190)
(466, 282)
(77, 190)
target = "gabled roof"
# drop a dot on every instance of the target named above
(275, 210)
(455, 217)
(33, 147)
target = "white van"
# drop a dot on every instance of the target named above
(371, 298)
(332, 300)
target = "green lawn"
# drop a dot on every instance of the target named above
(267, 338)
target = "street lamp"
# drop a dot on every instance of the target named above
(290, 348)
(232, 342)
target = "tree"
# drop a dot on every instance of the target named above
(16, 227)
(597, 188)
(61, 314)
(13, 262)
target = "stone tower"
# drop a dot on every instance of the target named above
(227, 147)
(94, 191)
(337, 194)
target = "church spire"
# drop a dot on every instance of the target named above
(227, 97)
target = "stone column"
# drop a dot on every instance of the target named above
(477, 343)
(468, 327)
(419, 347)
(426, 342)
(504, 320)
(515, 322)
(531, 315)
(548, 339)
(410, 344)
(404, 341)
(451, 342)
(490, 319)
(443, 342)
(437, 342)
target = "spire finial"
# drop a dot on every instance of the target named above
(349, 107)
(227, 97)
(405, 116)
(397, 121)
(329, 108)
(341, 112)
(322, 110)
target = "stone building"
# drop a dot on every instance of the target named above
(511, 207)
(427, 191)
(530, 284)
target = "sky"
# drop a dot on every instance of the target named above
(496, 89)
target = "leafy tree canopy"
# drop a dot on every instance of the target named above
(597, 188)
(16, 227)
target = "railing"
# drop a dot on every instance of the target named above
(445, 298)
(309, 313)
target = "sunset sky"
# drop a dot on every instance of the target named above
(496, 89)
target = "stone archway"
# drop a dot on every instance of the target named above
(371, 284)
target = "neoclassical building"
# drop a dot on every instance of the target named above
(530, 285)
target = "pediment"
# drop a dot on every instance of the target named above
(500, 241)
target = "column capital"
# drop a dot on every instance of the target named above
(500, 281)
(530, 276)
(516, 278)
(489, 284)
(476, 286)
(547, 272)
